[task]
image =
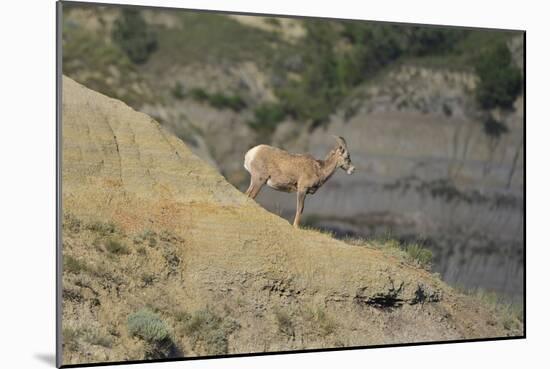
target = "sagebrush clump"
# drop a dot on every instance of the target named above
(148, 326)
(116, 247)
(207, 329)
(73, 265)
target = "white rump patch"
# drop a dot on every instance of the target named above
(250, 155)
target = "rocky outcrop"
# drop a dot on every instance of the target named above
(427, 170)
(149, 225)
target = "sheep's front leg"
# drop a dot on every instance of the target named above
(256, 184)
(301, 196)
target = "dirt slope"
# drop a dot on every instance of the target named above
(149, 225)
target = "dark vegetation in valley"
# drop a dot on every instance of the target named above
(132, 34)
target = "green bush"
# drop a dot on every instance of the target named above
(273, 21)
(73, 265)
(500, 81)
(132, 34)
(266, 118)
(221, 101)
(419, 254)
(432, 40)
(199, 94)
(218, 99)
(494, 128)
(103, 228)
(116, 247)
(211, 330)
(178, 91)
(148, 326)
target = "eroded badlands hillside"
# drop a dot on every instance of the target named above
(154, 235)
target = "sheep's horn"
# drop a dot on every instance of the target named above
(340, 141)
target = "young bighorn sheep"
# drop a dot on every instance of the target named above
(287, 172)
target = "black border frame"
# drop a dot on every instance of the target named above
(59, 209)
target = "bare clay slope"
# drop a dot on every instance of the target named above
(149, 225)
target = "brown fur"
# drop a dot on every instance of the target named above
(301, 173)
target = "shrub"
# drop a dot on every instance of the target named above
(74, 335)
(218, 99)
(273, 21)
(103, 228)
(116, 247)
(73, 265)
(148, 236)
(72, 223)
(147, 279)
(419, 254)
(70, 339)
(266, 118)
(284, 322)
(431, 40)
(177, 91)
(211, 330)
(95, 336)
(168, 236)
(494, 128)
(500, 81)
(322, 322)
(221, 101)
(199, 94)
(132, 34)
(326, 324)
(148, 326)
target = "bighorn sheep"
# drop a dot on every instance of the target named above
(287, 172)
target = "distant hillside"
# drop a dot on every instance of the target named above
(163, 257)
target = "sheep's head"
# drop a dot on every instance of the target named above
(344, 158)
